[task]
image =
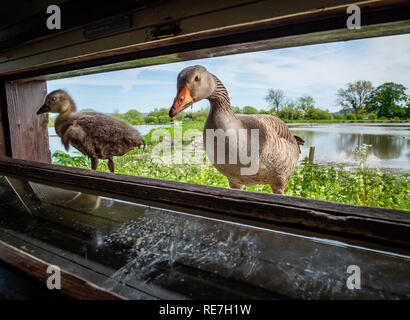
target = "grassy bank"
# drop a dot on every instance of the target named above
(169, 131)
(359, 187)
(197, 124)
(346, 121)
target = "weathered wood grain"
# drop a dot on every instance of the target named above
(28, 131)
(4, 128)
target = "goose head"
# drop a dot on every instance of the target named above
(193, 84)
(57, 101)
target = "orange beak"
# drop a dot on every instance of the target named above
(181, 102)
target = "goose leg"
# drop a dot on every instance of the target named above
(277, 189)
(235, 185)
(111, 164)
(94, 163)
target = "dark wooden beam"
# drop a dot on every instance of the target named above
(372, 223)
(241, 37)
(74, 14)
(28, 131)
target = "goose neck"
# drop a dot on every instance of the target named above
(219, 99)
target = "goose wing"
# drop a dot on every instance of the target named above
(271, 128)
(77, 137)
(106, 135)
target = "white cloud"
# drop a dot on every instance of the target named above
(317, 70)
(124, 78)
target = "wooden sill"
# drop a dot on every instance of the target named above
(375, 224)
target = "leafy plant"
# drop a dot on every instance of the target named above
(362, 186)
(350, 116)
(62, 158)
(389, 100)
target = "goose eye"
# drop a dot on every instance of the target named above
(197, 78)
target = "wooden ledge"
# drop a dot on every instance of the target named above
(372, 223)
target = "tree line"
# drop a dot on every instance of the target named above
(358, 100)
(387, 101)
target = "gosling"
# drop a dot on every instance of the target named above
(96, 135)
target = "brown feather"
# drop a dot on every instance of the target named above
(278, 148)
(96, 135)
(300, 140)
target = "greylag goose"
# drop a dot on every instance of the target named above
(277, 149)
(96, 135)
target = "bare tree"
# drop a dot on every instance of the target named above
(276, 99)
(306, 102)
(354, 95)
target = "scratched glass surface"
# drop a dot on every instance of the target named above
(197, 254)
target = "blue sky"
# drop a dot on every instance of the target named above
(316, 70)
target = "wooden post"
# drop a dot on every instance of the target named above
(5, 149)
(311, 154)
(3, 143)
(28, 131)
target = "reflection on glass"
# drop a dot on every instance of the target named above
(137, 247)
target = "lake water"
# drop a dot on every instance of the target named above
(334, 143)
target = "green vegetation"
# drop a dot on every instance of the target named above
(351, 116)
(362, 186)
(389, 100)
(134, 117)
(169, 131)
(78, 161)
(51, 121)
(158, 116)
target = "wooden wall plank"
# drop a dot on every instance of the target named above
(28, 131)
(3, 143)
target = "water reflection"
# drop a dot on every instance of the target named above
(336, 143)
(383, 147)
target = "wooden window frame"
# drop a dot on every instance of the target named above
(319, 26)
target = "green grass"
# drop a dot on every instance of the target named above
(345, 121)
(200, 124)
(359, 187)
(190, 125)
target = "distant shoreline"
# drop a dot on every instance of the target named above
(300, 121)
(347, 121)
